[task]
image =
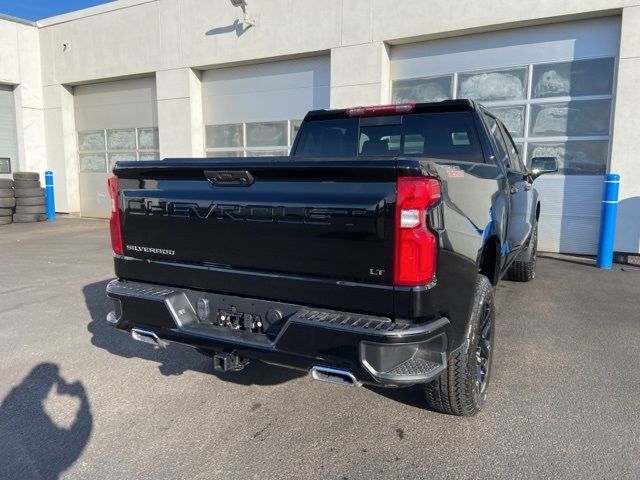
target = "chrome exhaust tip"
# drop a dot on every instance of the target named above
(111, 318)
(335, 376)
(147, 336)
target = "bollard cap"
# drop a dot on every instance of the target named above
(612, 177)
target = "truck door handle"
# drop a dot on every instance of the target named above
(231, 178)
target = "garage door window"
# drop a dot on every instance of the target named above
(578, 78)
(513, 118)
(579, 157)
(5, 165)
(249, 139)
(561, 109)
(430, 89)
(583, 118)
(492, 86)
(100, 149)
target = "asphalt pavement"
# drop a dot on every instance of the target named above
(81, 400)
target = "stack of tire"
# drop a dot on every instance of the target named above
(30, 201)
(7, 201)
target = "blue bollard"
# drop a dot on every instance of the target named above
(608, 221)
(51, 202)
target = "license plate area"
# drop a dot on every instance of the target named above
(240, 317)
(230, 318)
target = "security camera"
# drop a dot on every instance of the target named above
(243, 5)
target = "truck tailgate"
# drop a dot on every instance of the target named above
(330, 219)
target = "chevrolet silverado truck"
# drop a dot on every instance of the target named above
(367, 256)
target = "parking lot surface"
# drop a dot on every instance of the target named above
(80, 400)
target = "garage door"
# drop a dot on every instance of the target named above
(553, 87)
(8, 139)
(255, 110)
(114, 121)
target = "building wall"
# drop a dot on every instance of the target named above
(176, 40)
(20, 67)
(626, 125)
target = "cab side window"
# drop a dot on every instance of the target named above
(515, 162)
(498, 141)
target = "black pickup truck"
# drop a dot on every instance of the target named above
(369, 255)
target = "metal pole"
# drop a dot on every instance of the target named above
(51, 202)
(608, 221)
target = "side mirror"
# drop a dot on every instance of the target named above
(542, 165)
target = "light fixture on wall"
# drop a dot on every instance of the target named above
(243, 4)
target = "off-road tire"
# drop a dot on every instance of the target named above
(28, 217)
(525, 271)
(457, 390)
(19, 184)
(30, 201)
(6, 220)
(6, 193)
(29, 192)
(31, 209)
(6, 183)
(7, 202)
(26, 176)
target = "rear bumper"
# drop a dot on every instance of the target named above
(374, 349)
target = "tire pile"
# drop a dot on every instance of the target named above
(22, 199)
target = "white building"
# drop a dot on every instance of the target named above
(165, 78)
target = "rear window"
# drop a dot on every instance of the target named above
(450, 135)
(328, 138)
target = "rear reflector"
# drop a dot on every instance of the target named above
(114, 222)
(416, 245)
(376, 110)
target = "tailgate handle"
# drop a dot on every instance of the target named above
(231, 178)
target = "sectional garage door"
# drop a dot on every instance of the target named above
(255, 110)
(553, 86)
(8, 138)
(114, 121)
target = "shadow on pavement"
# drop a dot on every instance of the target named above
(175, 359)
(32, 444)
(411, 396)
(259, 373)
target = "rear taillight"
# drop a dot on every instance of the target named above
(114, 223)
(376, 110)
(416, 245)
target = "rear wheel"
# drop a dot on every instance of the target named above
(525, 271)
(462, 388)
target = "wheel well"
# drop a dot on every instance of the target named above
(489, 265)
